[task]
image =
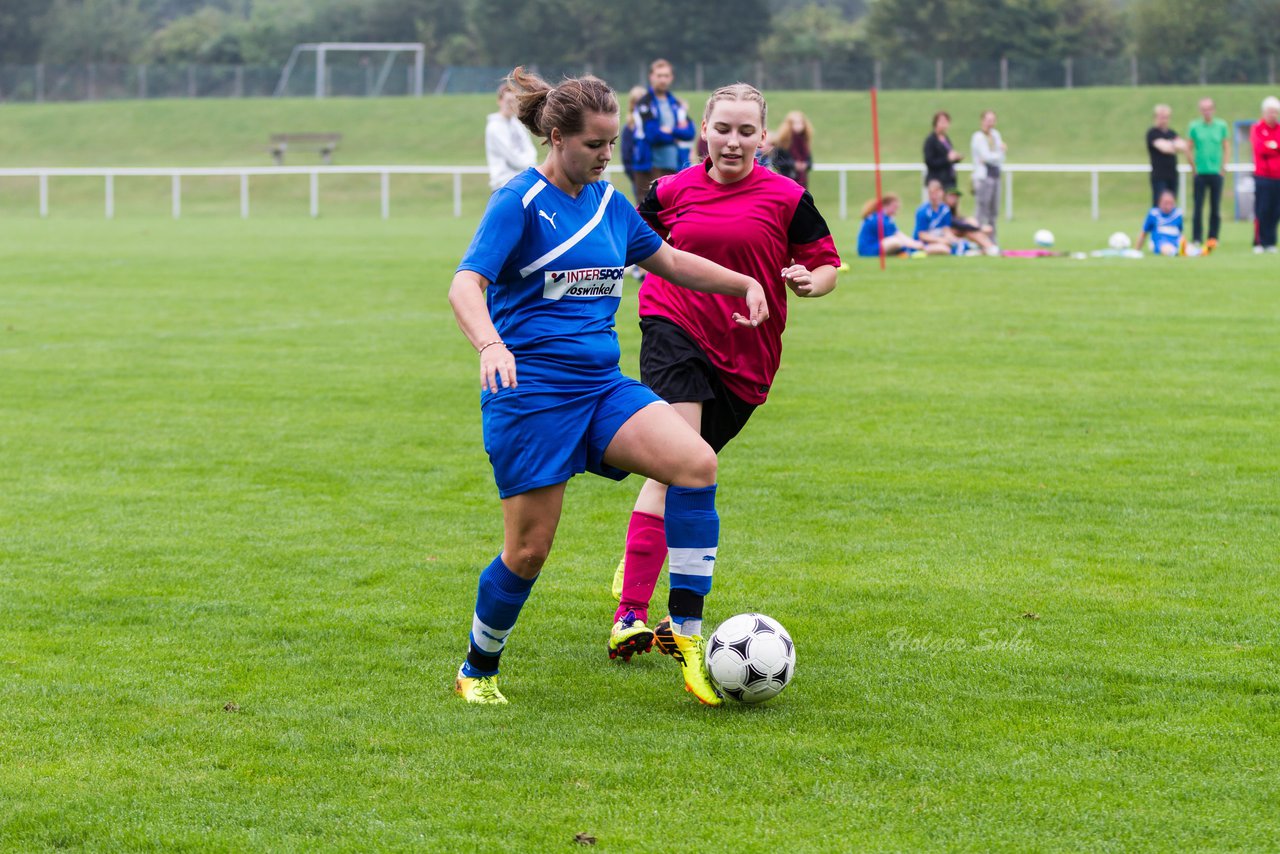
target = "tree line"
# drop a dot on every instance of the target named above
(608, 32)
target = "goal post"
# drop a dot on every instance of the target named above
(323, 49)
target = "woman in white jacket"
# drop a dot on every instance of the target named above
(988, 151)
(507, 145)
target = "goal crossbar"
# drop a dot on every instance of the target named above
(323, 49)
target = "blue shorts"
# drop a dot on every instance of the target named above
(537, 435)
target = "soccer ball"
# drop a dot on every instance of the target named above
(1119, 241)
(751, 657)
(1044, 238)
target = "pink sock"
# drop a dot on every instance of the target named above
(646, 552)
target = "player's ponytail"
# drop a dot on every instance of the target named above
(543, 107)
(531, 97)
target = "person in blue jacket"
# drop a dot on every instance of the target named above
(663, 134)
(627, 143)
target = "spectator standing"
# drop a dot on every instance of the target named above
(1265, 138)
(1162, 146)
(778, 159)
(627, 141)
(662, 123)
(794, 141)
(940, 156)
(1207, 152)
(987, 149)
(507, 145)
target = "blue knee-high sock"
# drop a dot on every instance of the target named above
(499, 597)
(693, 534)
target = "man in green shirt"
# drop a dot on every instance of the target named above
(1207, 151)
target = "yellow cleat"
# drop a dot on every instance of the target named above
(616, 589)
(630, 636)
(662, 637)
(691, 652)
(482, 690)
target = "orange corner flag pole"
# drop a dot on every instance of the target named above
(875, 142)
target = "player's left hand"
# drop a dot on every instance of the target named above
(799, 279)
(757, 307)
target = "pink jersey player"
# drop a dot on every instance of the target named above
(734, 211)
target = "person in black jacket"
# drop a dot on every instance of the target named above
(1163, 145)
(940, 156)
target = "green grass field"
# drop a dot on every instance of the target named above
(1019, 517)
(1045, 126)
(1041, 126)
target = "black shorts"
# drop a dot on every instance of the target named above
(674, 366)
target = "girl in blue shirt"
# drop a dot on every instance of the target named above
(895, 241)
(538, 290)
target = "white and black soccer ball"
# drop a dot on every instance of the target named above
(751, 657)
(1043, 238)
(1119, 241)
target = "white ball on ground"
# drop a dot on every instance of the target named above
(751, 657)
(1043, 238)
(1119, 241)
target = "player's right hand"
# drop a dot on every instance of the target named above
(497, 368)
(757, 307)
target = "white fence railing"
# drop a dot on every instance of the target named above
(1008, 170)
(313, 173)
(176, 174)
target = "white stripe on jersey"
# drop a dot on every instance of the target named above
(533, 191)
(486, 637)
(935, 219)
(572, 241)
(692, 561)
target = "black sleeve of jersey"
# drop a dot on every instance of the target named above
(807, 225)
(651, 207)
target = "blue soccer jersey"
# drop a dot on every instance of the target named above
(869, 234)
(555, 266)
(1165, 229)
(931, 219)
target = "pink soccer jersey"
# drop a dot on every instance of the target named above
(756, 226)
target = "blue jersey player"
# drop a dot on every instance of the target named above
(1164, 224)
(536, 295)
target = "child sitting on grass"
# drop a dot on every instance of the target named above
(1164, 224)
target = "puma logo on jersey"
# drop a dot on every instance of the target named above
(551, 219)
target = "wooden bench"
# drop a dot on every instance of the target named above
(324, 142)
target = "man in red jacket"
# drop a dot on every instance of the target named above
(1265, 138)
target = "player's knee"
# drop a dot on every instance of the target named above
(529, 557)
(703, 467)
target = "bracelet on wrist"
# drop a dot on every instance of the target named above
(490, 344)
